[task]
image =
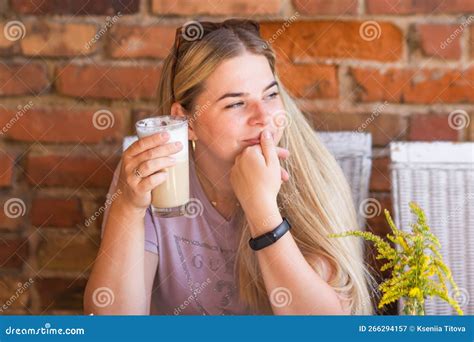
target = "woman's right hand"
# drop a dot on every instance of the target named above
(150, 156)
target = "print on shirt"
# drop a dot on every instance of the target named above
(201, 261)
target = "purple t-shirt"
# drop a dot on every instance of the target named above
(195, 274)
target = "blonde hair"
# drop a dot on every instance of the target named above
(320, 197)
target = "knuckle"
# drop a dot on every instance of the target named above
(148, 154)
(141, 144)
(129, 180)
(146, 166)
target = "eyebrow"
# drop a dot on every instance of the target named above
(244, 94)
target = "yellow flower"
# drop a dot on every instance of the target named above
(414, 292)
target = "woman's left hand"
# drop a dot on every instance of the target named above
(256, 177)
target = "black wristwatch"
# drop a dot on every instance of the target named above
(270, 238)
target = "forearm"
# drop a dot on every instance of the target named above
(302, 291)
(119, 265)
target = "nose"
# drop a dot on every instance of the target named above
(259, 114)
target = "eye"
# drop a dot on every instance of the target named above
(234, 105)
(272, 95)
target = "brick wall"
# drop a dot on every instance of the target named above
(401, 70)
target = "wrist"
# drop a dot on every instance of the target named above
(264, 220)
(128, 209)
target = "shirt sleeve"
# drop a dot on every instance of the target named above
(151, 225)
(151, 232)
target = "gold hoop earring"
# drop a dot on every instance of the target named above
(193, 145)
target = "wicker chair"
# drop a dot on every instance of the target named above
(439, 176)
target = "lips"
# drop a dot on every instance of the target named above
(256, 140)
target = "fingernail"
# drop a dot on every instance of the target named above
(178, 144)
(267, 135)
(164, 135)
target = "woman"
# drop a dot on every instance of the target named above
(242, 123)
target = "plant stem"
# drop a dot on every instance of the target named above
(414, 307)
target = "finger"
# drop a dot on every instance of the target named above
(152, 181)
(152, 166)
(157, 152)
(285, 176)
(268, 148)
(283, 153)
(146, 143)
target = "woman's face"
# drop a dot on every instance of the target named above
(240, 99)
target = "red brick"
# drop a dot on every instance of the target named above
(321, 7)
(98, 7)
(384, 127)
(7, 163)
(109, 82)
(380, 175)
(431, 127)
(472, 41)
(52, 39)
(320, 37)
(56, 212)
(142, 113)
(419, 7)
(471, 128)
(197, 7)
(22, 79)
(309, 81)
(60, 293)
(415, 85)
(61, 251)
(435, 40)
(15, 294)
(378, 224)
(65, 125)
(13, 253)
(70, 170)
(127, 41)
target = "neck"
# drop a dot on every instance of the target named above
(214, 176)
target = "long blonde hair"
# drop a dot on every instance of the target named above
(316, 199)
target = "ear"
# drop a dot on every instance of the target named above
(178, 110)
